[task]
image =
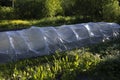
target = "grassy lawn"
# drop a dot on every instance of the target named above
(98, 62)
(54, 21)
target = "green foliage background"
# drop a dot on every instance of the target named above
(96, 10)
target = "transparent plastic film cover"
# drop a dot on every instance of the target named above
(38, 41)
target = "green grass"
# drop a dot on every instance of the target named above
(58, 66)
(50, 21)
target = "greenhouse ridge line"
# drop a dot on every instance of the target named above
(36, 41)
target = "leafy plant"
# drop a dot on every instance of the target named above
(7, 13)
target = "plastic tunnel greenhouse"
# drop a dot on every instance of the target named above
(38, 41)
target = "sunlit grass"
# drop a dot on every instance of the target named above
(25, 22)
(14, 22)
(49, 21)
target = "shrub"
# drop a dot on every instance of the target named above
(7, 13)
(111, 10)
(53, 7)
(68, 7)
(93, 10)
(97, 10)
(29, 9)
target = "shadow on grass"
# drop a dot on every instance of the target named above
(108, 69)
(111, 47)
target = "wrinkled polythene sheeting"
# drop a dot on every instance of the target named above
(35, 41)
